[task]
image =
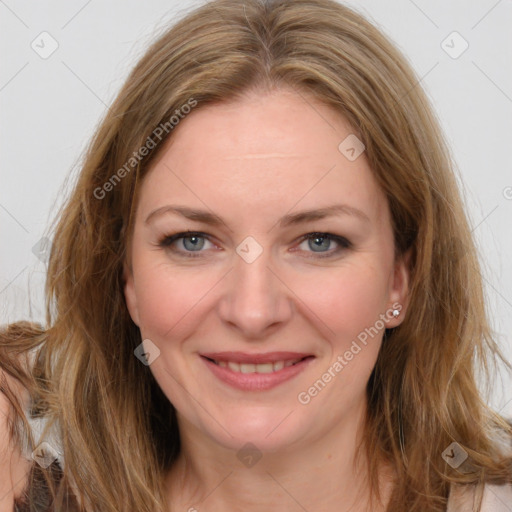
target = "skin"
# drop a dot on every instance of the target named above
(251, 162)
(14, 468)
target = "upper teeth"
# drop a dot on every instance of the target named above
(257, 368)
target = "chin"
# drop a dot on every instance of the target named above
(268, 431)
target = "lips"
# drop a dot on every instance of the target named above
(256, 371)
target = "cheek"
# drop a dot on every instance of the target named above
(350, 302)
(347, 299)
(169, 299)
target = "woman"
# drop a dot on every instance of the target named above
(263, 291)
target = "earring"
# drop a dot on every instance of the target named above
(396, 312)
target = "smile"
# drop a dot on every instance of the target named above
(256, 372)
(269, 367)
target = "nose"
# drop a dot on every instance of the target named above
(255, 301)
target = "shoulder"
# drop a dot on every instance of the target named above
(496, 498)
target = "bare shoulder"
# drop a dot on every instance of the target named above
(14, 468)
(495, 498)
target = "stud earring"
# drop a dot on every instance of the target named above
(396, 312)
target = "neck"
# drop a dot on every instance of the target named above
(320, 474)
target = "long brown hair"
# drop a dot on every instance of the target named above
(119, 432)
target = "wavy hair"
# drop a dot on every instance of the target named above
(119, 431)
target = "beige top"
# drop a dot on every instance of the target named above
(496, 498)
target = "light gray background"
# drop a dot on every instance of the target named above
(50, 108)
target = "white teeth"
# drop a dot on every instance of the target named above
(265, 368)
(278, 365)
(247, 368)
(233, 366)
(257, 368)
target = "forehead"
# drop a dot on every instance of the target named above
(280, 124)
(267, 151)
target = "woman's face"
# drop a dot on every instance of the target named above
(230, 307)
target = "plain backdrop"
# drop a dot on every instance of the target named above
(62, 62)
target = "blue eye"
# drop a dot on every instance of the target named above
(320, 243)
(195, 243)
(190, 242)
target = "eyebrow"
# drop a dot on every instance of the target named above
(287, 220)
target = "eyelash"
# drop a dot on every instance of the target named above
(167, 241)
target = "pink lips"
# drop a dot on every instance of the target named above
(256, 381)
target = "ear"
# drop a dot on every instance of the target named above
(129, 293)
(399, 288)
